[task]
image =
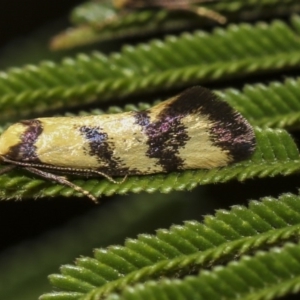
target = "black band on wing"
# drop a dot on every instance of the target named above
(102, 149)
(26, 149)
(165, 137)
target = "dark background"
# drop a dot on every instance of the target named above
(20, 17)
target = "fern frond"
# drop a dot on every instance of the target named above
(159, 65)
(92, 17)
(95, 12)
(182, 249)
(266, 276)
(276, 154)
(126, 26)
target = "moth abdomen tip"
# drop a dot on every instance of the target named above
(229, 130)
(235, 135)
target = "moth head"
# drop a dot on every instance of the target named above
(11, 137)
(18, 141)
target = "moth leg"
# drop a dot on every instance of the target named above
(123, 180)
(62, 180)
(7, 169)
(107, 176)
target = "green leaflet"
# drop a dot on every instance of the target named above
(192, 246)
(156, 66)
(276, 105)
(276, 154)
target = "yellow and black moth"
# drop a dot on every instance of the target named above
(192, 130)
(179, 5)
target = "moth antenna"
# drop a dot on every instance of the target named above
(62, 180)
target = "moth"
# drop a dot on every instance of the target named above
(180, 5)
(192, 130)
